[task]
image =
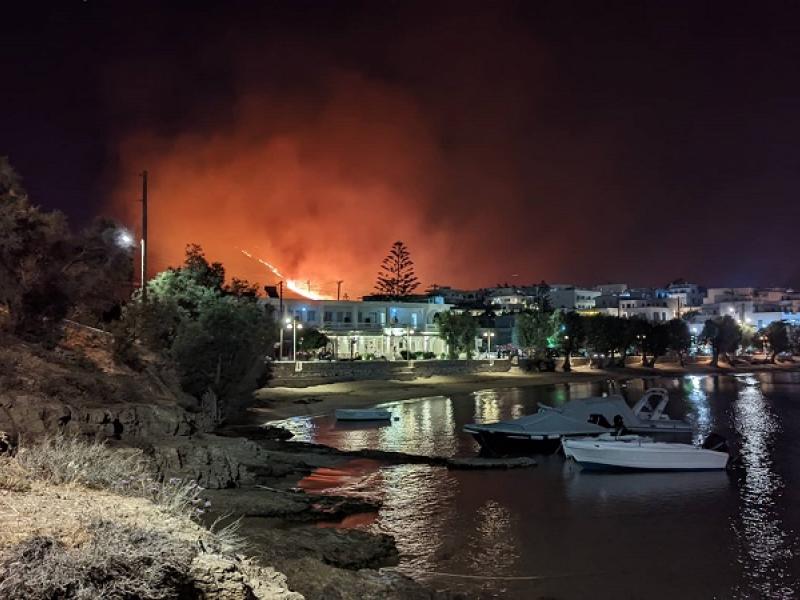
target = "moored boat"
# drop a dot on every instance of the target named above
(362, 414)
(644, 454)
(544, 430)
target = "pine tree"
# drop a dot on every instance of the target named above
(396, 278)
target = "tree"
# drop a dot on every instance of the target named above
(47, 273)
(724, 336)
(224, 348)
(778, 339)
(536, 329)
(458, 331)
(794, 339)
(217, 334)
(656, 342)
(573, 335)
(679, 340)
(396, 278)
(313, 339)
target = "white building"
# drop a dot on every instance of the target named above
(572, 298)
(690, 295)
(379, 329)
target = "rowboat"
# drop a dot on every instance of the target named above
(363, 414)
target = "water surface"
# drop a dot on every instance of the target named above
(557, 532)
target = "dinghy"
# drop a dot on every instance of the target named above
(644, 454)
(363, 414)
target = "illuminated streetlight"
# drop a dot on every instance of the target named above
(294, 324)
(488, 335)
(124, 238)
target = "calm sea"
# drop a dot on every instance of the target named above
(557, 532)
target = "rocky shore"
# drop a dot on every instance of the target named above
(248, 473)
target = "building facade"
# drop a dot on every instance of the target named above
(365, 329)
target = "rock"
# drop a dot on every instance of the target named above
(290, 505)
(491, 463)
(307, 400)
(350, 549)
(217, 577)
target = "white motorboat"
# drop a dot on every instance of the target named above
(593, 416)
(363, 414)
(644, 454)
(603, 437)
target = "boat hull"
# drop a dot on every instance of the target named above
(647, 456)
(502, 444)
(362, 415)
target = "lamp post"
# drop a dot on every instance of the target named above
(567, 350)
(642, 337)
(408, 342)
(488, 335)
(294, 324)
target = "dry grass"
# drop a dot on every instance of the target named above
(116, 561)
(65, 460)
(13, 477)
(46, 497)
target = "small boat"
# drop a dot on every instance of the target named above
(644, 454)
(363, 414)
(603, 437)
(543, 431)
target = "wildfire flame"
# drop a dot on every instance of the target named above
(291, 284)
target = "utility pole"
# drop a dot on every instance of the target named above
(280, 298)
(144, 236)
(339, 283)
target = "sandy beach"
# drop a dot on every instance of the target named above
(283, 402)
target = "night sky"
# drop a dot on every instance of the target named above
(567, 141)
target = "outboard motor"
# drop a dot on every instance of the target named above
(716, 442)
(619, 425)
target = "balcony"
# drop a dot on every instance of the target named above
(375, 327)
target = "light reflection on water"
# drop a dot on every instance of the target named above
(765, 548)
(563, 531)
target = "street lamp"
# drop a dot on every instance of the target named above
(408, 341)
(488, 335)
(294, 324)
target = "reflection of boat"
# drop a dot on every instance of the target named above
(363, 414)
(643, 454)
(590, 416)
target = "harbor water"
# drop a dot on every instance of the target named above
(557, 532)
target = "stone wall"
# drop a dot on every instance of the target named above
(319, 372)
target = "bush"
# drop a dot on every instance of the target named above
(62, 459)
(428, 355)
(65, 460)
(115, 562)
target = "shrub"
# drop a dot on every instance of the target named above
(64, 460)
(115, 562)
(428, 355)
(61, 459)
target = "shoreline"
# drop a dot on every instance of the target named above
(277, 403)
